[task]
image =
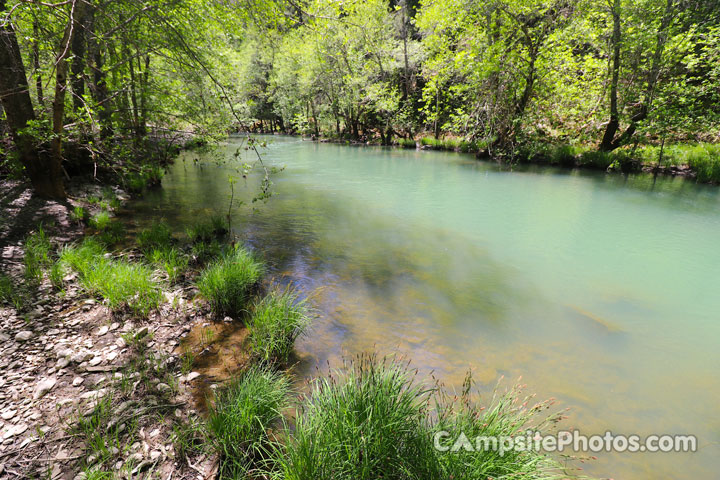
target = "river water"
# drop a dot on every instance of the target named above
(602, 291)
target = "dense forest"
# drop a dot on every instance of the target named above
(88, 83)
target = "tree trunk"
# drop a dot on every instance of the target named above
(77, 47)
(36, 64)
(61, 71)
(45, 174)
(607, 142)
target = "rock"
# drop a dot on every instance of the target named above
(52, 332)
(14, 431)
(62, 363)
(163, 387)
(43, 387)
(23, 336)
(142, 332)
(4, 338)
(192, 376)
(112, 356)
(8, 414)
(102, 330)
(155, 454)
(77, 381)
(120, 342)
(114, 326)
(96, 360)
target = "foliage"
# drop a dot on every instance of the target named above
(226, 284)
(100, 221)
(171, 260)
(157, 236)
(276, 322)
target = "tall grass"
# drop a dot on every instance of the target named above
(9, 292)
(277, 321)
(37, 255)
(121, 283)
(365, 422)
(240, 416)
(171, 260)
(158, 235)
(372, 420)
(100, 221)
(226, 284)
(208, 230)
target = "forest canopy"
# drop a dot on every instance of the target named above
(91, 82)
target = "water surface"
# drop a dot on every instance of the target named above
(599, 290)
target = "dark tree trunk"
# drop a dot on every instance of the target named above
(77, 47)
(612, 127)
(44, 171)
(36, 64)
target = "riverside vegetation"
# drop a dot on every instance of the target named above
(111, 88)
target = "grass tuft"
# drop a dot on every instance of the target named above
(158, 235)
(37, 255)
(171, 260)
(277, 321)
(207, 231)
(100, 221)
(241, 414)
(227, 282)
(372, 420)
(120, 283)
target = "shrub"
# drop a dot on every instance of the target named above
(406, 143)
(277, 321)
(227, 282)
(240, 416)
(120, 283)
(704, 159)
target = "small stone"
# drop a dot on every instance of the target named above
(77, 381)
(114, 326)
(43, 387)
(192, 376)
(163, 387)
(142, 332)
(102, 330)
(120, 342)
(62, 363)
(155, 454)
(8, 414)
(112, 356)
(96, 360)
(23, 336)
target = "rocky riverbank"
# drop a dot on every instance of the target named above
(85, 388)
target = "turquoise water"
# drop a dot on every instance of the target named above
(602, 291)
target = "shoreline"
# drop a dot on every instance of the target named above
(683, 170)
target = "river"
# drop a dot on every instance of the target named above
(600, 290)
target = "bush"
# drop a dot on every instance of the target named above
(226, 283)
(241, 414)
(704, 159)
(120, 283)
(406, 143)
(277, 321)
